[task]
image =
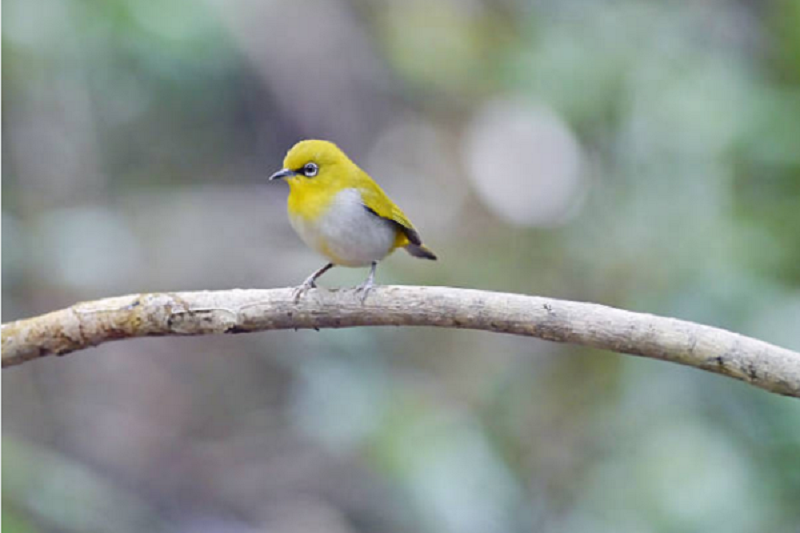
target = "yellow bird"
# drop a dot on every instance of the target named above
(340, 212)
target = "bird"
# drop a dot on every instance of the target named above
(341, 213)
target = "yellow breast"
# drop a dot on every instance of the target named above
(310, 203)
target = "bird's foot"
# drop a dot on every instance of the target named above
(309, 283)
(364, 289)
(368, 284)
(303, 288)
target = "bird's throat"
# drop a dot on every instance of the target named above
(309, 202)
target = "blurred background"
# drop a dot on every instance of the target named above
(639, 154)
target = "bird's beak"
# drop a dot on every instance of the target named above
(283, 173)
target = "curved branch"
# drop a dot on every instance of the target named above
(198, 313)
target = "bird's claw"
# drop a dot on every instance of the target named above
(301, 289)
(364, 289)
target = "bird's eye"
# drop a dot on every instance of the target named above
(310, 170)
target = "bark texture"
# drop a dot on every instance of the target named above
(237, 311)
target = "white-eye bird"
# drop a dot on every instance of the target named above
(340, 212)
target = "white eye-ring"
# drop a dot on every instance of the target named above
(310, 170)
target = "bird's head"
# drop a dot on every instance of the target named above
(312, 164)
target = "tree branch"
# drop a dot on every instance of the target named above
(237, 311)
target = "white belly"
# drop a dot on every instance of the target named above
(347, 233)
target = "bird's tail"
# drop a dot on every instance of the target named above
(421, 251)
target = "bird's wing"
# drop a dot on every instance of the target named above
(376, 202)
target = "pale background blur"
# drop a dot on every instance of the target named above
(640, 154)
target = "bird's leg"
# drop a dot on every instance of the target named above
(310, 282)
(369, 283)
